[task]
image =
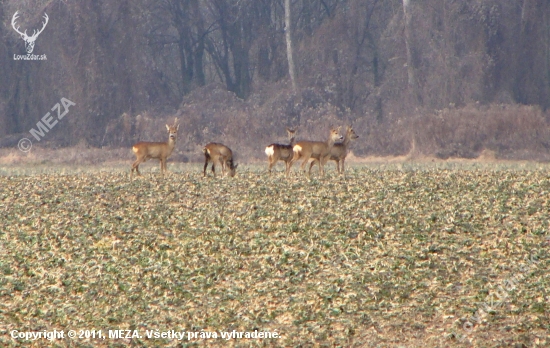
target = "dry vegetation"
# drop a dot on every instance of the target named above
(511, 132)
(389, 256)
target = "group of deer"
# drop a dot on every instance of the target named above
(305, 150)
(217, 153)
(213, 152)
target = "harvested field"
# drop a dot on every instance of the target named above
(389, 256)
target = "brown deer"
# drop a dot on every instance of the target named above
(221, 154)
(339, 151)
(161, 151)
(317, 150)
(280, 152)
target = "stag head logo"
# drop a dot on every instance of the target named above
(29, 40)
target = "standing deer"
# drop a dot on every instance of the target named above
(161, 151)
(280, 152)
(221, 154)
(317, 150)
(340, 150)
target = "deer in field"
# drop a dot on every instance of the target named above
(219, 154)
(280, 152)
(317, 150)
(339, 151)
(158, 150)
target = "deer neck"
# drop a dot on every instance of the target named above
(171, 144)
(330, 143)
(346, 141)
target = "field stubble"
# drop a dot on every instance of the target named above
(383, 258)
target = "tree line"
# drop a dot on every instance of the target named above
(376, 63)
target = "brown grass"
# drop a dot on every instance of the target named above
(508, 131)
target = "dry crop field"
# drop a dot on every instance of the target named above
(402, 256)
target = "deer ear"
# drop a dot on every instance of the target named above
(167, 127)
(178, 127)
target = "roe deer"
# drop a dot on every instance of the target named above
(219, 153)
(145, 150)
(317, 150)
(340, 150)
(280, 152)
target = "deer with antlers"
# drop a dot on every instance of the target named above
(158, 150)
(280, 152)
(318, 150)
(339, 151)
(29, 40)
(221, 154)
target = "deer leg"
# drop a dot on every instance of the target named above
(135, 166)
(322, 162)
(132, 170)
(303, 165)
(311, 165)
(286, 166)
(165, 165)
(343, 159)
(289, 164)
(223, 163)
(214, 168)
(273, 160)
(270, 161)
(295, 158)
(205, 165)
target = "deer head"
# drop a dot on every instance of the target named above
(29, 40)
(173, 130)
(232, 167)
(291, 134)
(350, 134)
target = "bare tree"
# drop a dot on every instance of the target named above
(230, 42)
(411, 59)
(288, 36)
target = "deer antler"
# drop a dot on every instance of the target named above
(13, 23)
(34, 33)
(43, 26)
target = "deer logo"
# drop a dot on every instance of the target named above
(29, 40)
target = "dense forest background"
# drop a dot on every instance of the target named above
(437, 77)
